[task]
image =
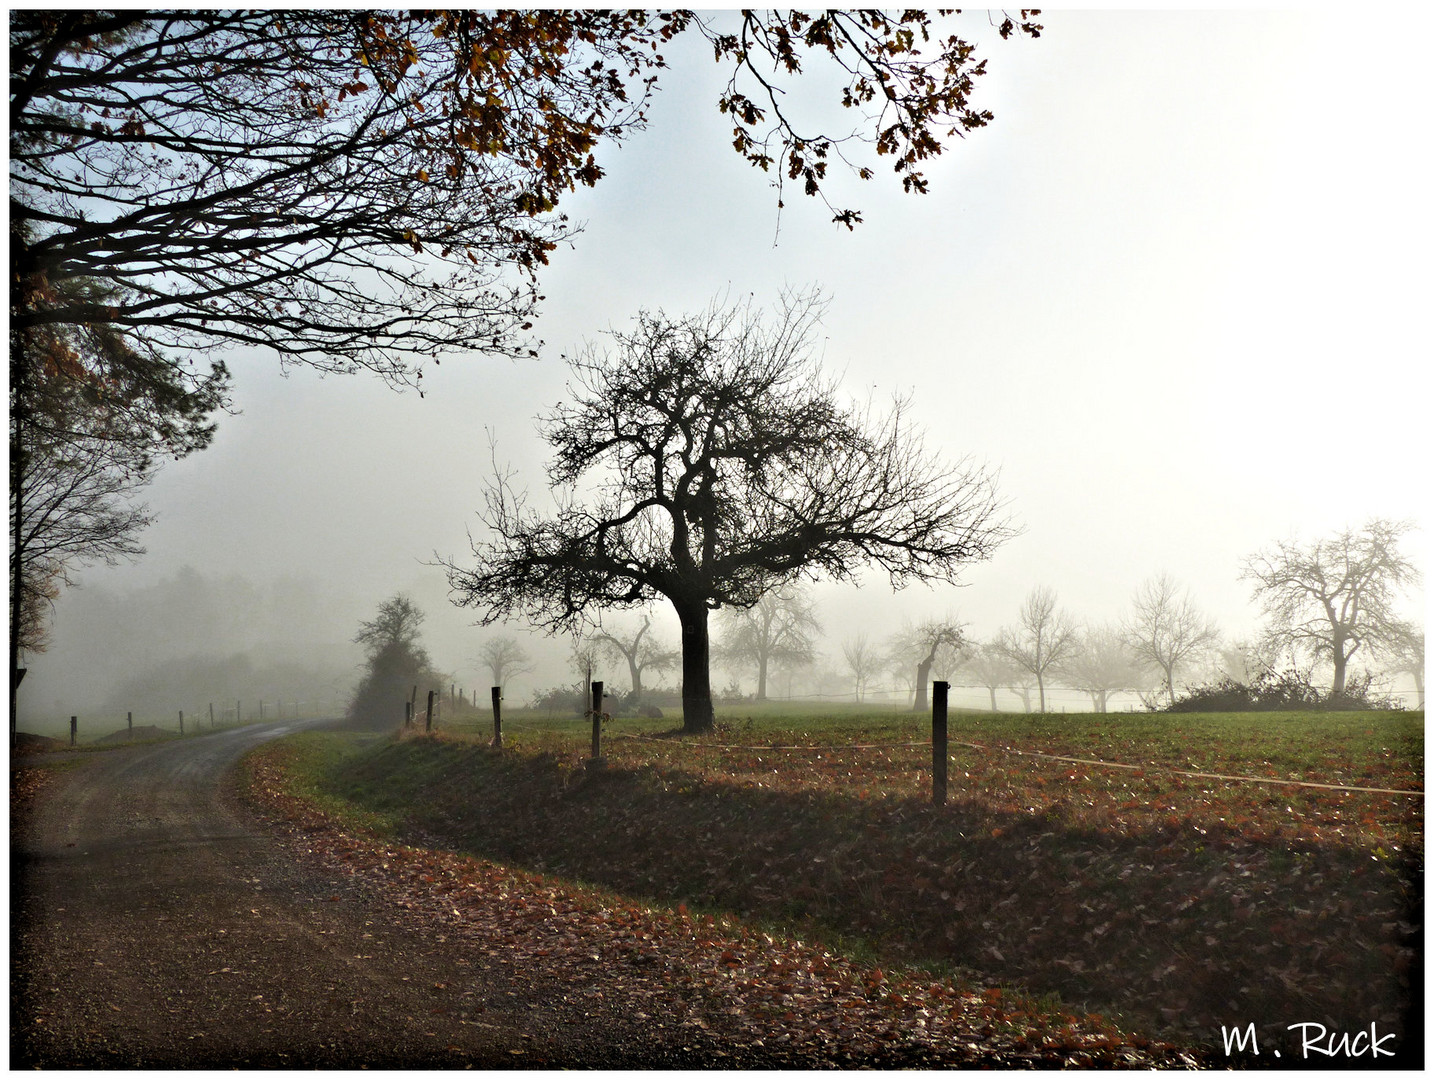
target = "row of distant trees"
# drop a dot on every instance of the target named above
(1331, 602)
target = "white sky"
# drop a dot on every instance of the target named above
(1171, 293)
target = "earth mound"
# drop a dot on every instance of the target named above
(26, 743)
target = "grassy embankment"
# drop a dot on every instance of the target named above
(1178, 903)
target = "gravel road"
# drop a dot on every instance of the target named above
(155, 924)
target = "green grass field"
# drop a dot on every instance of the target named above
(1176, 902)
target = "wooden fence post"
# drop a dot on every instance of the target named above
(129, 722)
(407, 713)
(211, 714)
(74, 729)
(938, 742)
(597, 721)
(498, 717)
(181, 721)
(428, 723)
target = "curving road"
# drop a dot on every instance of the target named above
(154, 925)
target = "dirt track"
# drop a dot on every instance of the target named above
(155, 925)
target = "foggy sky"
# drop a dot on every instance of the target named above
(1170, 293)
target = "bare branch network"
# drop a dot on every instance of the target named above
(717, 462)
(721, 464)
(368, 189)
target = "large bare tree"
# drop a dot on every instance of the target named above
(718, 462)
(361, 189)
(1042, 639)
(1165, 629)
(780, 628)
(1336, 596)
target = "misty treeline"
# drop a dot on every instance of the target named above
(1163, 652)
(194, 639)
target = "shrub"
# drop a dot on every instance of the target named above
(1289, 690)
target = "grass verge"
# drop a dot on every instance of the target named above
(1185, 906)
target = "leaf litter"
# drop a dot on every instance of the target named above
(769, 1000)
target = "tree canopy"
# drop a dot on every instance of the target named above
(717, 462)
(366, 189)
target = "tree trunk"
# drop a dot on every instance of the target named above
(636, 673)
(1341, 664)
(19, 416)
(697, 713)
(762, 677)
(923, 675)
(994, 706)
(1041, 686)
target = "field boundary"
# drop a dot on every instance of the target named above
(1058, 757)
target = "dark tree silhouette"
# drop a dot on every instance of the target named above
(397, 664)
(924, 644)
(717, 463)
(357, 189)
(92, 409)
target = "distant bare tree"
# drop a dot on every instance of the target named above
(641, 651)
(1245, 661)
(1101, 664)
(504, 658)
(1165, 629)
(924, 645)
(780, 628)
(1409, 657)
(585, 657)
(1022, 683)
(992, 668)
(1336, 596)
(862, 659)
(1043, 638)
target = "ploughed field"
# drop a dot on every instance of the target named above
(1184, 875)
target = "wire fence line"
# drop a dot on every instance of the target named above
(926, 745)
